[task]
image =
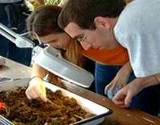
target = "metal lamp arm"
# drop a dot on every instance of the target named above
(19, 40)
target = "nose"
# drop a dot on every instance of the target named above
(85, 45)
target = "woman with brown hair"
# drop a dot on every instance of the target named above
(42, 23)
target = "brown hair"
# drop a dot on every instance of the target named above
(43, 21)
(83, 12)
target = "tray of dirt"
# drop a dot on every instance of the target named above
(64, 108)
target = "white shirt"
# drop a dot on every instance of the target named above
(138, 30)
(9, 1)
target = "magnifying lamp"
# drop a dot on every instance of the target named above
(50, 60)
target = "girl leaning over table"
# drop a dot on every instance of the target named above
(42, 25)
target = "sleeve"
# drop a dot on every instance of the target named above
(140, 39)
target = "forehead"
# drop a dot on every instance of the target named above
(73, 29)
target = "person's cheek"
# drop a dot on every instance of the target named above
(53, 45)
(63, 44)
(85, 45)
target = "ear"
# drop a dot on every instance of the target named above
(102, 22)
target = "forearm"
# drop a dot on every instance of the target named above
(149, 81)
(125, 70)
(128, 67)
(38, 71)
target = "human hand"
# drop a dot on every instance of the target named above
(124, 96)
(115, 85)
(118, 82)
(36, 89)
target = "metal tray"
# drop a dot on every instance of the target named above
(99, 111)
(50, 60)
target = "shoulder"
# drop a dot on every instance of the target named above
(136, 19)
(130, 17)
(136, 29)
(138, 13)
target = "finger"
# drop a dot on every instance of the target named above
(128, 99)
(118, 102)
(33, 94)
(44, 98)
(113, 86)
(27, 94)
(119, 98)
(107, 88)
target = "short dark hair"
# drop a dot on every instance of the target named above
(83, 12)
(43, 20)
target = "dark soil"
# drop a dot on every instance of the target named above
(60, 110)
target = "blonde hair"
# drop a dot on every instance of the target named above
(73, 53)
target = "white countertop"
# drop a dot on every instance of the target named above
(14, 69)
